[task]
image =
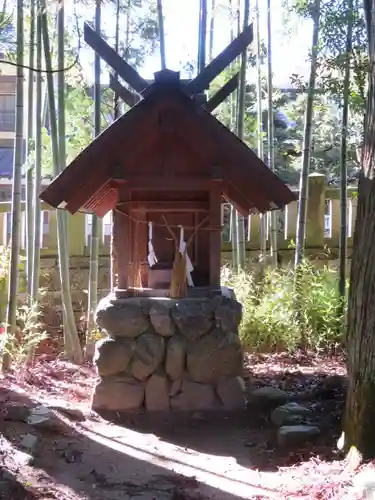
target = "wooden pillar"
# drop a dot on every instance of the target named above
(139, 240)
(122, 239)
(215, 234)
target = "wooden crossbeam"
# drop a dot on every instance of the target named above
(222, 94)
(126, 95)
(110, 56)
(183, 81)
(217, 65)
(131, 98)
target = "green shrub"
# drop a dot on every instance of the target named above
(22, 344)
(274, 315)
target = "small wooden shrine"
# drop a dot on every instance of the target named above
(165, 167)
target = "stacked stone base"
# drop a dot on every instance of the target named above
(165, 354)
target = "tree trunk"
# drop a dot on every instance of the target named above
(70, 329)
(303, 194)
(94, 241)
(29, 243)
(360, 404)
(344, 169)
(16, 196)
(240, 132)
(271, 130)
(161, 34)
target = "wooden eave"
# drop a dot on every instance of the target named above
(91, 170)
(87, 182)
(244, 172)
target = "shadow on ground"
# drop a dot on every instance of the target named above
(249, 436)
(196, 458)
(94, 460)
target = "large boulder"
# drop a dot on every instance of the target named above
(215, 355)
(122, 317)
(157, 393)
(118, 394)
(160, 318)
(149, 353)
(194, 397)
(113, 356)
(176, 357)
(231, 392)
(194, 317)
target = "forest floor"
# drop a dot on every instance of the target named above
(65, 452)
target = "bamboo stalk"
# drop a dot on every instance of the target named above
(240, 132)
(271, 130)
(343, 166)
(29, 174)
(38, 165)
(303, 191)
(212, 31)
(161, 34)
(16, 194)
(92, 299)
(70, 330)
(263, 217)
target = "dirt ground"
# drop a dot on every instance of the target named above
(78, 455)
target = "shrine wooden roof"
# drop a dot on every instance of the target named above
(167, 115)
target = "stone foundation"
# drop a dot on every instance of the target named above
(165, 354)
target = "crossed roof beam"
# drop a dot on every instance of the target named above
(194, 87)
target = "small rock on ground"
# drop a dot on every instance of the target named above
(289, 414)
(45, 418)
(296, 434)
(29, 441)
(268, 398)
(15, 412)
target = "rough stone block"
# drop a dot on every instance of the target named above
(176, 357)
(118, 394)
(176, 387)
(161, 353)
(194, 397)
(157, 393)
(228, 315)
(160, 318)
(113, 356)
(231, 392)
(121, 318)
(148, 355)
(194, 317)
(213, 356)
